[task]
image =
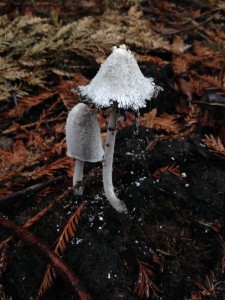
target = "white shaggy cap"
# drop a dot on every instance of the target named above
(83, 136)
(120, 80)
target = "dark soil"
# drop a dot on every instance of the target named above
(172, 228)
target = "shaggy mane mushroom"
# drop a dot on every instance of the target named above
(119, 84)
(83, 140)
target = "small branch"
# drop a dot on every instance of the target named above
(191, 24)
(29, 189)
(64, 271)
(14, 98)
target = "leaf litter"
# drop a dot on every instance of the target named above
(170, 174)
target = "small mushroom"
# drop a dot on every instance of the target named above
(119, 84)
(83, 140)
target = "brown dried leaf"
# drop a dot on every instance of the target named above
(178, 45)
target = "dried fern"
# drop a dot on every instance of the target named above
(10, 159)
(216, 82)
(67, 234)
(43, 50)
(165, 122)
(215, 145)
(63, 163)
(173, 169)
(144, 286)
(139, 33)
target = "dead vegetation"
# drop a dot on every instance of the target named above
(46, 51)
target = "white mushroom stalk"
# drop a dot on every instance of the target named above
(78, 175)
(83, 140)
(108, 162)
(119, 81)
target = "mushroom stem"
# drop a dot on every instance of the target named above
(108, 161)
(78, 176)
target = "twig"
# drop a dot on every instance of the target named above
(192, 24)
(29, 189)
(14, 98)
(56, 262)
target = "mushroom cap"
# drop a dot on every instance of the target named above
(120, 80)
(83, 136)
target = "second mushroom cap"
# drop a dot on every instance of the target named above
(83, 136)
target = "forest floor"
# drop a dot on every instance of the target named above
(169, 171)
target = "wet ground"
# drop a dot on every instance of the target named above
(170, 243)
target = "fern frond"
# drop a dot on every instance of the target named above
(180, 65)
(68, 231)
(46, 281)
(63, 163)
(5, 39)
(215, 145)
(9, 159)
(37, 81)
(29, 62)
(165, 122)
(173, 169)
(215, 81)
(144, 285)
